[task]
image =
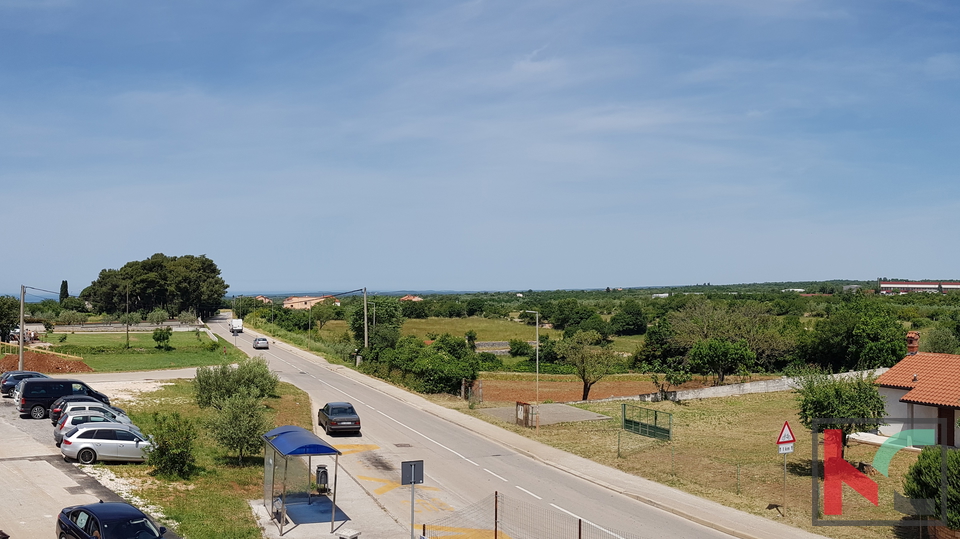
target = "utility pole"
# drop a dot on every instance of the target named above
(366, 338)
(23, 295)
(128, 315)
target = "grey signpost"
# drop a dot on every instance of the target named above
(411, 473)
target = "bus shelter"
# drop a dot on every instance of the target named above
(281, 445)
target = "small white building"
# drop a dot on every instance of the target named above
(923, 385)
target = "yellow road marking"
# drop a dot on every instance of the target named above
(468, 533)
(356, 448)
(389, 485)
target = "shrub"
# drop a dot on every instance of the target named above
(520, 347)
(162, 337)
(172, 445)
(239, 425)
(924, 479)
(214, 385)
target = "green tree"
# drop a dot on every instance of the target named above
(251, 376)
(823, 396)
(720, 358)
(70, 318)
(629, 320)
(388, 314)
(171, 282)
(591, 364)
(157, 316)
(471, 338)
(172, 445)
(939, 340)
(162, 337)
(64, 291)
(187, 317)
(857, 334)
(9, 316)
(322, 313)
(130, 319)
(239, 424)
(924, 479)
(520, 348)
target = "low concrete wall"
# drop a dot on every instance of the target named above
(762, 386)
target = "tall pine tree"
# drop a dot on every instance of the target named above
(64, 291)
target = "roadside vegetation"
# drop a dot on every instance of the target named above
(209, 499)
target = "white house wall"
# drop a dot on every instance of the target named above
(895, 408)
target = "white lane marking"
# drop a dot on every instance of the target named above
(604, 530)
(495, 475)
(528, 492)
(415, 431)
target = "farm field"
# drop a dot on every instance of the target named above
(723, 449)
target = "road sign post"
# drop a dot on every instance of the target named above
(411, 473)
(785, 446)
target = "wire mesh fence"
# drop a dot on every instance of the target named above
(501, 517)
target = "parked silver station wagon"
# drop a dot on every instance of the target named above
(115, 441)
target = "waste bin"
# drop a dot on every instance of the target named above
(322, 482)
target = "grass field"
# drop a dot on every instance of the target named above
(212, 504)
(724, 449)
(106, 352)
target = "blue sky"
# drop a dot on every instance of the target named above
(482, 145)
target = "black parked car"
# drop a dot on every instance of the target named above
(338, 417)
(113, 520)
(38, 394)
(12, 378)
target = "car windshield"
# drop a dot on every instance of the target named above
(138, 528)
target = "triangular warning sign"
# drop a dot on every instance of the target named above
(786, 435)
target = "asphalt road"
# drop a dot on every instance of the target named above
(461, 467)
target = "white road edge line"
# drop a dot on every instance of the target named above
(604, 530)
(528, 492)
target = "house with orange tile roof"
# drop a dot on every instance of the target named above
(922, 385)
(305, 302)
(408, 297)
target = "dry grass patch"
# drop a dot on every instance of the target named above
(712, 438)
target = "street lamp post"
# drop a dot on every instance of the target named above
(538, 369)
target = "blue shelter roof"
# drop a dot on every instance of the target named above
(293, 440)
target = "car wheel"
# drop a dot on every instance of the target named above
(87, 456)
(326, 429)
(38, 412)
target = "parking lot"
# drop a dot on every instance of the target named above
(38, 483)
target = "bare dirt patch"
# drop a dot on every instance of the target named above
(45, 363)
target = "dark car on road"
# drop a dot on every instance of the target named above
(113, 520)
(338, 417)
(12, 378)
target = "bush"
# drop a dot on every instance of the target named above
(520, 347)
(172, 445)
(162, 337)
(239, 425)
(158, 316)
(924, 479)
(214, 385)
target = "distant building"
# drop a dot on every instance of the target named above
(408, 297)
(306, 302)
(264, 299)
(905, 287)
(660, 295)
(797, 290)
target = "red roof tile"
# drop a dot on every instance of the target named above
(937, 379)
